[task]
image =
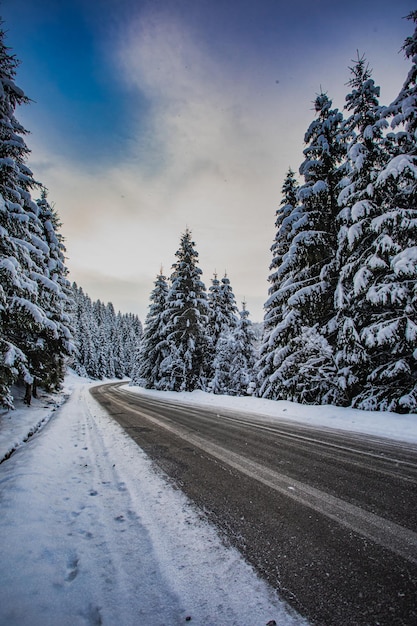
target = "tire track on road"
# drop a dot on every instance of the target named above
(387, 534)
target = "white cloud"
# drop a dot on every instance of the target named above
(211, 154)
(214, 175)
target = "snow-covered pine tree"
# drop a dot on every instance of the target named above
(227, 304)
(84, 361)
(54, 344)
(15, 261)
(286, 215)
(24, 250)
(108, 339)
(135, 333)
(222, 321)
(184, 368)
(152, 350)
(308, 370)
(118, 346)
(221, 376)
(234, 362)
(308, 269)
(214, 327)
(360, 203)
(215, 312)
(314, 244)
(389, 277)
(100, 339)
(242, 369)
(129, 333)
(223, 312)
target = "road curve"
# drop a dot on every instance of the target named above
(328, 518)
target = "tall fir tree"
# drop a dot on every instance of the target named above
(221, 372)
(222, 304)
(389, 329)
(118, 338)
(185, 367)
(222, 321)
(314, 244)
(214, 327)
(215, 311)
(242, 369)
(152, 350)
(84, 361)
(308, 271)
(27, 322)
(54, 343)
(227, 304)
(286, 216)
(360, 203)
(234, 361)
(15, 260)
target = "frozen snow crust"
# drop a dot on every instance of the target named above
(92, 534)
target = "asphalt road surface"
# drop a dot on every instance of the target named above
(328, 518)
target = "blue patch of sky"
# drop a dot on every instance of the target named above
(299, 31)
(66, 51)
(78, 100)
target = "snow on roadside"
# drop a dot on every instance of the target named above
(18, 426)
(92, 534)
(375, 423)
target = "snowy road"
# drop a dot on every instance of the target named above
(328, 518)
(91, 535)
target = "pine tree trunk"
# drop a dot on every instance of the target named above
(28, 394)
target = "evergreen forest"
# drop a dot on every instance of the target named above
(341, 317)
(193, 339)
(340, 323)
(46, 323)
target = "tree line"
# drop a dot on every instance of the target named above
(193, 339)
(340, 321)
(35, 326)
(341, 317)
(105, 342)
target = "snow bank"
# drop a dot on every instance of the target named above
(18, 426)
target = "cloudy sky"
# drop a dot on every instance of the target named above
(151, 116)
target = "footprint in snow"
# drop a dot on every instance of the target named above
(72, 568)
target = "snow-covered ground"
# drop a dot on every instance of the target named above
(92, 534)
